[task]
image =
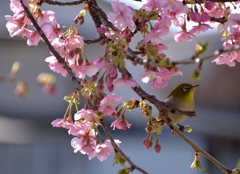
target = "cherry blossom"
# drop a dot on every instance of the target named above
(16, 6)
(16, 24)
(159, 78)
(150, 5)
(120, 124)
(106, 104)
(85, 69)
(84, 145)
(102, 151)
(125, 82)
(56, 66)
(72, 42)
(228, 58)
(81, 129)
(160, 29)
(122, 15)
(86, 114)
(60, 122)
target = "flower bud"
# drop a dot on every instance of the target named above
(157, 147)
(14, 70)
(148, 141)
(21, 89)
(188, 129)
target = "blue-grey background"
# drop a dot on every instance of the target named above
(29, 144)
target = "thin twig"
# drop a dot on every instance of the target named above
(203, 1)
(200, 150)
(213, 55)
(50, 2)
(133, 166)
(133, 57)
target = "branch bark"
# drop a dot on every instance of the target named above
(133, 166)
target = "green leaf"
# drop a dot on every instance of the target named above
(200, 49)
(196, 75)
(165, 63)
(238, 168)
(124, 171)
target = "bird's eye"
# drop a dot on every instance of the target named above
(185, 88)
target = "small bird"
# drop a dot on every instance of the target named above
(182, 97)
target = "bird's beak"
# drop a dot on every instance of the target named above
(195, 86)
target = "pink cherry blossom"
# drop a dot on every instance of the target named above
(86, 114)
(60, 122)
(52, 31)
(16, 23)
(197, 17)
(85, 69)
(102, 151)
(216, 10)
(148, 75)
(81, 129)
(159, 78)
(161, 47)
(155, 36)
(73, 41)
(16, 6)
(101, 63)
(150, 5)
(122, 15)
(228, 58)
(160, 29)
(106, 104)
(125, 82)
(200, 28)
(33, 38)
(47, 17)
(172, 9)
(183, 35)
(84, 145)
(120, 123)
(56, 66)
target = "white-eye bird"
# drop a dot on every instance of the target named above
(182, 97)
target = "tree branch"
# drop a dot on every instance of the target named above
(61, 3)
(200, 150)
(133, 166)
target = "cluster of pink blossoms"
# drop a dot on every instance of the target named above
(84, 127)
(69, 48)
(174, 12)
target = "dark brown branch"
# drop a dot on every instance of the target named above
(93, 41)
(50, 2)
(133, 166)
(51, 48)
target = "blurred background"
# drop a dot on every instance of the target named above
(30, 145)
